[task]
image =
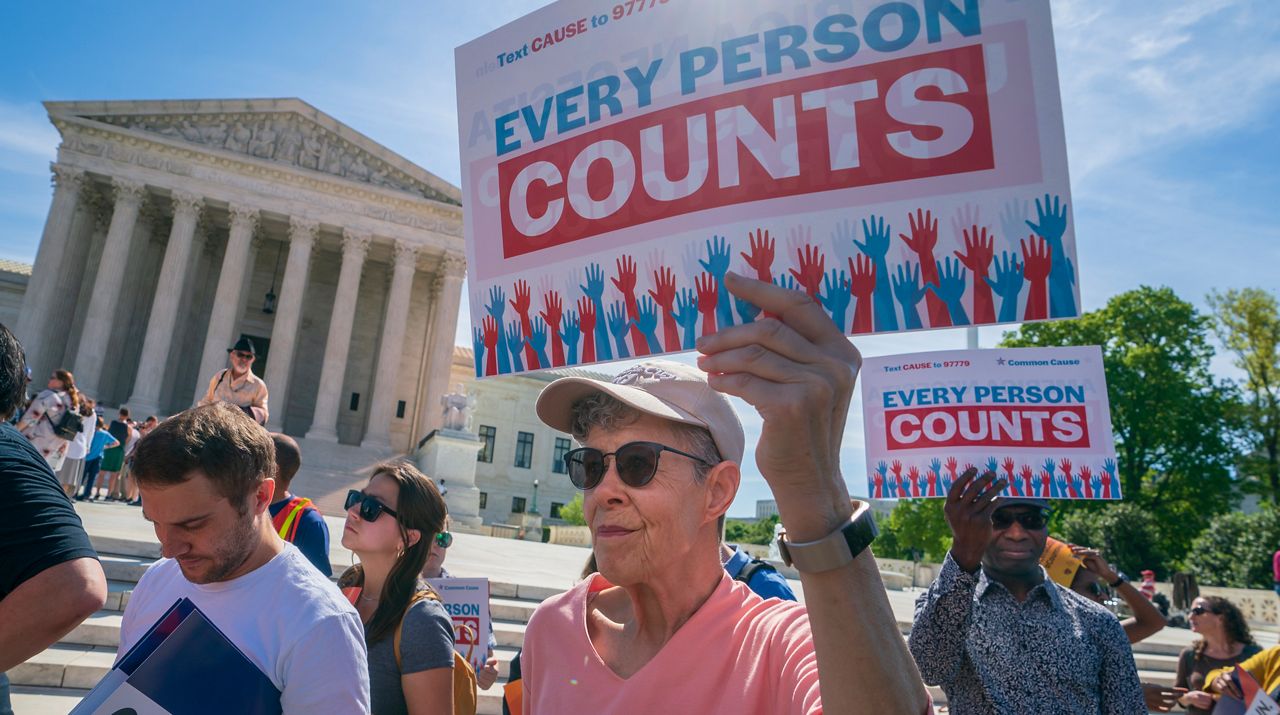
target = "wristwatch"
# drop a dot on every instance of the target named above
(838, 548)
(1120, 581)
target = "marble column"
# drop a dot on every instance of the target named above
(34, 326)
(226, 299)
(284, 333)
(165, 304)
(448, 294)
(91, 357)
(324, 424)
(391, 348)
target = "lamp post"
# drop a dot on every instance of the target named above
(534, 510)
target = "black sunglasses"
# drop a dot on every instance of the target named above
(243, 355)
(1200, 611)
(1034, 520)
(370, 507)
(444, 539)
(636, 463)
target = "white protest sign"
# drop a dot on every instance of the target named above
(1037, 416)
(891, 159)
(467, 601)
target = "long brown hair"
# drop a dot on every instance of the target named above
(69, 383)
(1233, 623)
(419, 506)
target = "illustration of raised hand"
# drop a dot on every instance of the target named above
(647, 322)
(1027, 475)
(979, 248)
(950, 289)
(1013, 217)
(619, 324)
(1068, 478)
(914, 475)
(862, 284)
(626, 285)
(932, 481)
(515, 345)
(1007, 285)
(686, 316)
(761, 256)
(1049, 488)
(594, 289)
(664, 294)
(717, 264)
(708, 290)
(587, 326)
(923, 239)
(747, 311)
(490, 344)
(552, 314)
(496, 308)
(1086, 481)
(571, 335)
(786, 282)
(909, 292)
(477, 350)
(835, 298)
(1051, 224)
(812, 264)
(1036, 262)
(877, 234)
(538, 341)
(521, 305)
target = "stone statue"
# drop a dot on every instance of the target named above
(457, 409)
(240, 137)
(215, 134)
(290, 142)
(312, 148)
(263, 144)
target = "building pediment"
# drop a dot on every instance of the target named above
(283, 131)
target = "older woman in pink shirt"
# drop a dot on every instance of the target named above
(661, 627)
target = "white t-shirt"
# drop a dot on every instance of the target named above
(285, 616)
(79, 447)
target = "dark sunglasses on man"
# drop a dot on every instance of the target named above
(242, 355)
(1033, 520)
(636, 463)
(370, 507)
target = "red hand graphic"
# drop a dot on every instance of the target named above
(1037, 261)
(812, 267)
(862, 284)
(979, 248)
(708, 293)
(924, 236)
(587, 326)
(552, 315)
(664, 281)
(761, 257)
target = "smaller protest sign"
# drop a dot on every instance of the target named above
(1039, 417)
(1256, 699)
(467, 601)
(1059, 562)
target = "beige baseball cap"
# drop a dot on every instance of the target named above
(662, 388)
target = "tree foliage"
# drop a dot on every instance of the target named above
(745, 532)
(1236, 549)
(1175, 425)
(915, 530)
(1127, 535)
(1248, 324)
(572, 512)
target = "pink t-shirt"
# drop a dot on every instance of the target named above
(737, 654)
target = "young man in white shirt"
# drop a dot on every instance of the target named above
(206, 482)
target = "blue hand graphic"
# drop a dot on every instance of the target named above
(893, 487)
(877, 235)
(515, 346)
(594, 289)
(570, 336)
(1007, 285)
(477, 349)
(647, 322)
(619, 324)
(538, 341)
(909, 292)
(1110, 466)
(1051, 225)
(950, 288)
(746, 310)
(686, 316)
(718, 265)
(836, 296)
(497, 306)
(786, 281)
(1096, 483)
(1056, 487)
(993, 465)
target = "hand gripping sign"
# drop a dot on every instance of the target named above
(1037, 416)
(903, 163)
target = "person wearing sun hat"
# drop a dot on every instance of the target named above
(661, 625)
(238, 385)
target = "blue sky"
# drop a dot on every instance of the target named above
(1172, 113)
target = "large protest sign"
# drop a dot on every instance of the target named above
(901, 162)
(1037, 416)
(467, 601)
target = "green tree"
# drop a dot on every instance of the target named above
(1126, 534)
(1174, 423)
(572, 512)
(1236, 550)
(749, 532)
(1248, 324)
(915, 529)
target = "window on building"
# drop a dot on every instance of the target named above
(487, 435)
(557, 461)
(517, 505)
(555, 509)
(524, 450)
(355, 401)
(484, 499)
(400, 410)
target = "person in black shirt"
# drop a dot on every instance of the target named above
(50, 578)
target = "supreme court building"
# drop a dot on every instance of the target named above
(177, 227)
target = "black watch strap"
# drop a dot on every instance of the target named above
(837, 549)
(1120, 581)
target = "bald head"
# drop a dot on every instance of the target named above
(288, 461)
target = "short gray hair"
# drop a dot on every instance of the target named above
(607, 412)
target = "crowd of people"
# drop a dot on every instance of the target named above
(667, 617)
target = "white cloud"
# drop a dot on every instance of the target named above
(28, 142)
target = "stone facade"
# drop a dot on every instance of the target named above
(172, 220)
(13, 283)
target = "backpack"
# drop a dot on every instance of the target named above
(68, 425)
(464, 676)
(750, 570)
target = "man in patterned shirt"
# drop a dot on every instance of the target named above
(999, 636)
